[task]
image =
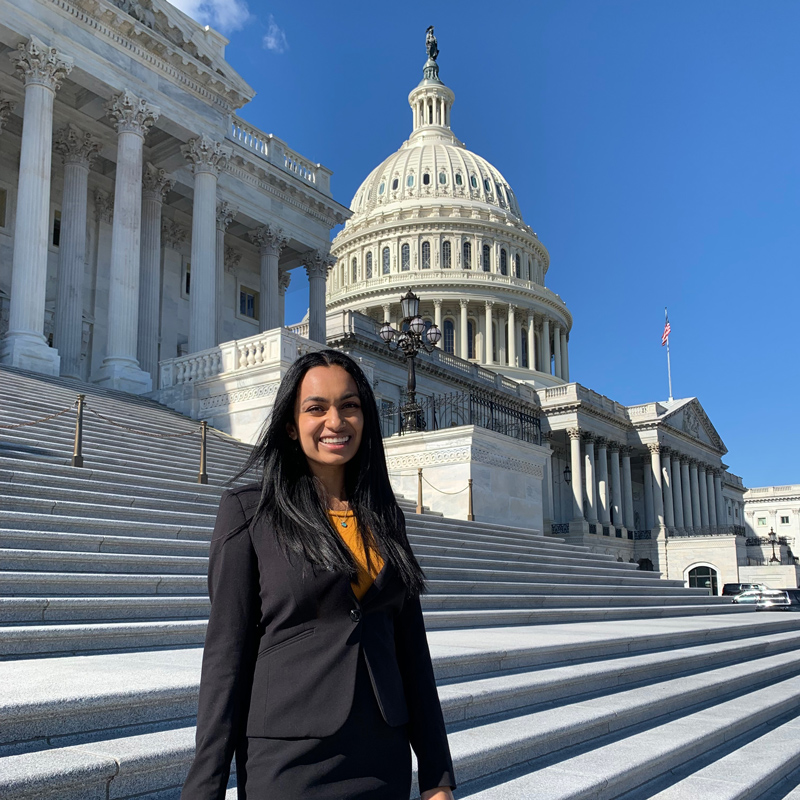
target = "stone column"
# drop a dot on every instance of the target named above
(616, 485)
(546, 345)
(627, 489)
(317, 265)
(488, 337)
(225, 214)
(688, 519)
(577, 472)
(666, 479)
(387, 311)
(531, 341)
(693, 478)
(502, 355)
(512, 336)
(437, 319)
(649, 508)
(677, 493)
(655, 473)
(133, 116)
(155, 184)
(78, 150)
(722, 517)
(564, 355)
(712, 503)
(42, 69)
(701, 478)
(591, 493)
(284, 279)
(463, 330)
(207, 157)
(603, 510)
(557, 348)
(270, 242)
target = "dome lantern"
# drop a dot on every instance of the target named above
(431, 101)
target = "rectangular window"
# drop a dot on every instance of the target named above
(784, 520)
(187, 278)
(3, 207)
(56, 228)
(248, 303)
(762, 522)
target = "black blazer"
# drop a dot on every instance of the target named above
(282, 648)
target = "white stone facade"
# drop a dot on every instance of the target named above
(166, 224)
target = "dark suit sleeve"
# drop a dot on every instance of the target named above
(229, 653)
(426, 724)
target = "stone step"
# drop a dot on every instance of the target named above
(624, 762)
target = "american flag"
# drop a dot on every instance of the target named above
(667, 329)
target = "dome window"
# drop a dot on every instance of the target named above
(355, 270)
(459, 179)
(487, 258)
(369, 265)
(426, 255)
(382, 187)
(517, 266)
(449, 336)
(410, 181)
(426, 179)
(487, 186)
(442, 178)
(500, 196)
(467, 255)
(447, 255)
(503, 262)
(386, 261)
(473, 181)
(395, 184)
(405, 258)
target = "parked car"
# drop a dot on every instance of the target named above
(750, 597)
(729, 589)
(780, 600)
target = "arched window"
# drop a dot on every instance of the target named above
(459, 179)
(467, 255)
(494, 342)
(487, 186)
(470, 339)
(354, 273)
(473, 181)
(387, 262)
(410, 181)
(703, 578)
(517, 266)
(405, 258)
(426, 255)
(447, 256)
(369, 265)
(426, 179)
(523, 347)
(487, 258)
(449, 336)
(503, 262)
(395, 184)
(382, 187)
(443, 178)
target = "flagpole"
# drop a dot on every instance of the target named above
(669, 366)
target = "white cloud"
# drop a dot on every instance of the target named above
(225, 16)
(275, 38)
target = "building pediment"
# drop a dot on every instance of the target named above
(689, 418)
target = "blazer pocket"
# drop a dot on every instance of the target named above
(286, 642)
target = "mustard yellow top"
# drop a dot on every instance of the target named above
(347, 527)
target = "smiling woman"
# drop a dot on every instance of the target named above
(316, 668)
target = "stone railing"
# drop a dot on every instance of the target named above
(575, 393)
(300, 328)
(279, 154)
(263, 349)
(767, 491)
(710, 530)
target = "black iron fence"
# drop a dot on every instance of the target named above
(467, 408)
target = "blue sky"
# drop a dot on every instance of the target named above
(653, 146)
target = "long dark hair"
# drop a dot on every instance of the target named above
(290, 498)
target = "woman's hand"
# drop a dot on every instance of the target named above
(442, 793)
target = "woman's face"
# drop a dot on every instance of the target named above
(328, 420)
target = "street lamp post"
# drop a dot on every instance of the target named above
(773, 540)
(411, 341)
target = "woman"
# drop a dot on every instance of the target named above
(316, 668)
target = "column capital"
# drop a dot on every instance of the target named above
(653, 447)
(173, 234)
(284, 279)
(232, 258)
(693, 463)
(437, 302)
(575, 433)
(156, 182)
(76, 146)
(489, 304)
(667, 452)
(132, 114)
(614, 446)
(602, 442)
(317, 264)
(511, 308)
(270, 240)
(531, 317)
(206, 155)
(588, 437)
(41, 64)
(626, 450)
(225, 213)
(103, 206)
(7, 105)
(463, 303)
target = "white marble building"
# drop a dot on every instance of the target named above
(140, 217)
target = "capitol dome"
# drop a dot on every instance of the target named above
(442, 220)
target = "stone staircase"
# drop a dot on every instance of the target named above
(563, 674)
